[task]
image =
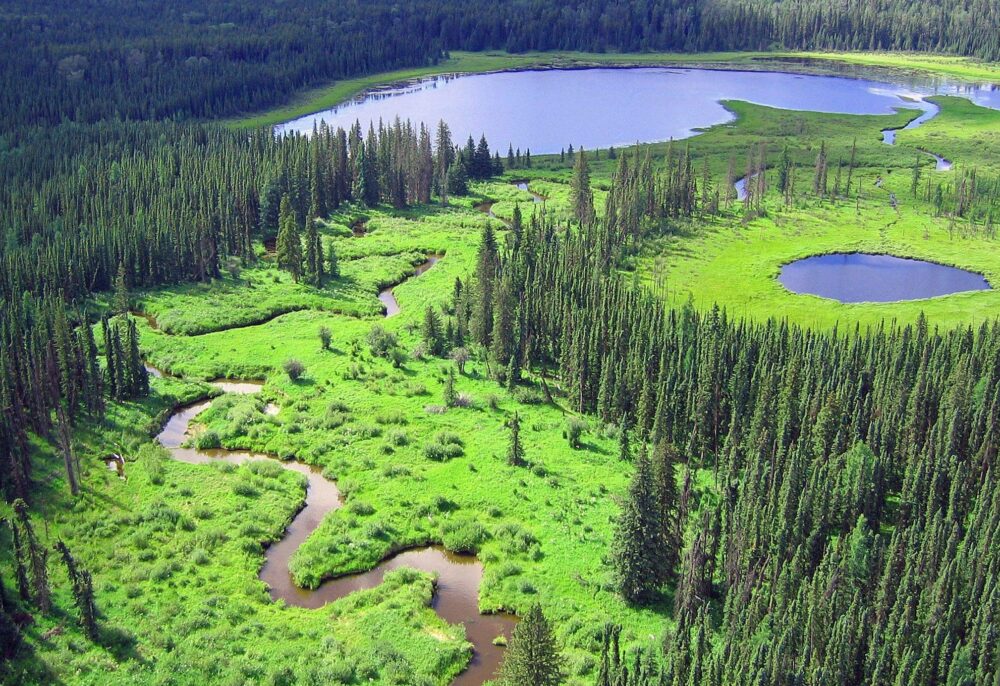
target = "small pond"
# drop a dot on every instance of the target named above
(861, 277)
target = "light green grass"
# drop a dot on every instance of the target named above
(175, 549)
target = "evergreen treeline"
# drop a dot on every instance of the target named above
(185, 59)
(168, 202)
(852, 531)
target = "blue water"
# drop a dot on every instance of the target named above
(860, 277)
(546, 111)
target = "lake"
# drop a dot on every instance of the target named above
(547, 110)
(861, 277)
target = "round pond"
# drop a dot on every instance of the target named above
(862, 277)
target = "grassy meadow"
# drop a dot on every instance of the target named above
(175, 549)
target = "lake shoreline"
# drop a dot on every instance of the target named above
(337, 93)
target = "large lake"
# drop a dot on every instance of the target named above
(546, 111)
(860, 277)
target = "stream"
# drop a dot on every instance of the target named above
(389, 302)
(456, 596)
(931, 111)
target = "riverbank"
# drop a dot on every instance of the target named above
(319, 99)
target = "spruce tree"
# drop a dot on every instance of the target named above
(121, 291)
(431, 331)
(515, 451)
(333, 267)
(637, 550)
(289, 246)
(35, 556)
(449, 388)
(667, 497)
(581, 194)
(314, 254)
(532, 659)
(83, 592)
(486, 271)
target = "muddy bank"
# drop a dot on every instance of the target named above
(456, 597)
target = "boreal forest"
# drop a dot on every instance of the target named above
(599, 343)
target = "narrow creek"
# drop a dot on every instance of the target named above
(889, 135)
(389, 302)
(456, 596)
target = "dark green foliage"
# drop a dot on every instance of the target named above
(449, 389)
(581, 195)
(294, 368)
(532, 658)
(515, 451)
(431, 332)
(853, 488)
(289, 246)
(33, 556)
(638, 555)
(83, 592)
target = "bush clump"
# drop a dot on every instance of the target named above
(463, 536)
(208, 440)
(294, 368)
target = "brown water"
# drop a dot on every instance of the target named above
(456, 597)
(389, 300)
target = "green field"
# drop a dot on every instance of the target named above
(180, 595)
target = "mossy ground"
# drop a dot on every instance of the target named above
(175, 549)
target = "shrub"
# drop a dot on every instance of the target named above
(391, 417)
(398, 437)
(381, 342)
(463, 536)
(528, 396)
(448, 437)
(265, 468)
(294, 369)
(434, 451)
(245, 489)
(363, 431)
(414, 389)
(446, 445)
(208, 440)
(360, 508)
(395, 470)
(575, 428)
(324, 337)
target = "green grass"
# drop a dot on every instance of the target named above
(176, 549)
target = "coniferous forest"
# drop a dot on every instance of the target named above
(238, 367)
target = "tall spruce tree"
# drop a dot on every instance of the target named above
(637, 550)
(515, 451)
(289, 246)
(581, 194)
(532, 659)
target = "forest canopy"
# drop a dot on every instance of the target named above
(88, 61)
